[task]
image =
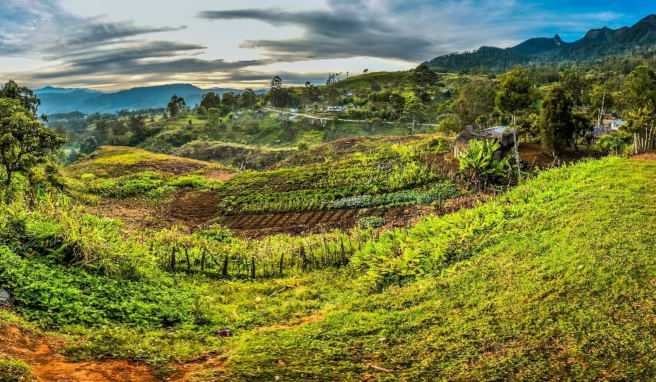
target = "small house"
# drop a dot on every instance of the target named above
(609, 124)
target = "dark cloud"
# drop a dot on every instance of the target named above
(332, 33)
(156, 57)
(94, 33)
(94, 51)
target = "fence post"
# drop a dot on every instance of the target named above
(225, 266)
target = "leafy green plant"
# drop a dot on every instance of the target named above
(371, 222)
(480, 165)
(615, 143)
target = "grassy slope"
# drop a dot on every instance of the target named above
(558, 284)
(110, 161)
(553, 281)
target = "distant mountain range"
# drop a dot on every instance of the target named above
(597, 43)
(59, 100)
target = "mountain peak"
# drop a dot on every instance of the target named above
(558, 40)
(649, 20)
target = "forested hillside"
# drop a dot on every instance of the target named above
(596, 44)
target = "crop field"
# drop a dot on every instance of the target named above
(509, 273)
(389, 175)
(362, 178)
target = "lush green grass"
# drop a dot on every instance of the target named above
(122, 172)
(112, 161)
(554, 280)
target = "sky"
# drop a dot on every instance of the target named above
(116, 44)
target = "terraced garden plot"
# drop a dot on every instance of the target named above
(391, 175)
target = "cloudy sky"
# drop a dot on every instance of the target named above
(116, 44)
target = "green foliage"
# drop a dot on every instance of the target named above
(424, 75)
(557, 121)
(640, 96)
(615, 143)
(371, 222)
(55, 296)
(12, 370)
(515, 92)
(24, 142)
(515, 289)
(24, 95)
(640, 88)
(176, 106)
(475, 99)
(481, 164)
(449, 124)
(387, 172)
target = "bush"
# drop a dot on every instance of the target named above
(87, 177)
(56, 296)
(615, 143)
(371, 222)
(480, 163)
(12, 370)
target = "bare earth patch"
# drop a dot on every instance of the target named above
(48, 365)
(646, 156)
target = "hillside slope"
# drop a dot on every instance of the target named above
(554, 281)
(597, 43)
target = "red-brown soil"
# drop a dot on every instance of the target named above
(647, 156)
(48, 365)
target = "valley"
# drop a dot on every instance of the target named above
(481, 216)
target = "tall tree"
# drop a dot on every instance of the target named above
(557, 123)
(475, 99)
(24, 141)
(279, 95)
(515, 93)
(210, 101)
(137, 126)
(640, 97)
(423, 75)
(25, 95)
(176, 106)
(574, 83)
(229, 101)
(248, 99)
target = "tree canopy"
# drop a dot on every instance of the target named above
(24, 141)
(515, 92)
(176, 106)
(25, 95)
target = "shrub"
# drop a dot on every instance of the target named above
(87, 177)
(615, 143)
(55, 296)
(480, 163)
(12, 370)
(371, 222)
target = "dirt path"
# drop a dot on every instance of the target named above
(41, 353)
(647, 156)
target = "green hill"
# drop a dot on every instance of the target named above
(552, 281)
(596, 44)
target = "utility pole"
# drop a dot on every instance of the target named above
(601, 110)
(516, 142)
